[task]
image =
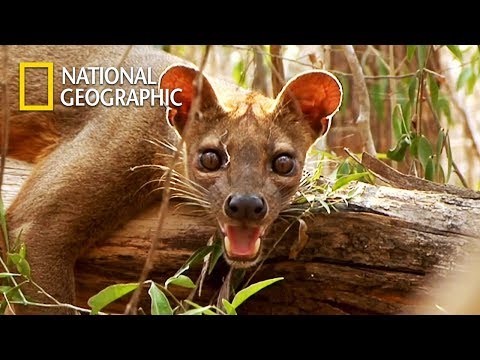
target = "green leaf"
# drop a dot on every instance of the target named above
(444, 105)
(407, 111)
(455, 50)
(22, 265)
(440, 143)
(5, 289)
(239, 73)
(195, 258)
(23, 250)
(180, 280)
(229, 307)
(422, 55)
(204, 310)
(6, 275)
(344, 180)
(3, 307)
(325, 205)
(412, 91)
(109, 295)
(160, 304)
(215, 255)
(398, 121)
(378, 98)
(429, 170)
(424, 151)
(433, 86)
(410, 51)
(414, 147)
(398, 153)
(464, 76)
(244, 294)
(472, 80)
(343, 169)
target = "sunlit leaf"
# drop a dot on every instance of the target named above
(159, 304)
(229, 308)
(109, 295)
(344, 180)
(325, 205)
(180, 280)
(22, 265)
(424, 151)
(5, 289)
(455, 50)
(239, 73)
(244, 294)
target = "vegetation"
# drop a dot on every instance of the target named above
(419, 100)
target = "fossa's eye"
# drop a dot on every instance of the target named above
(283, 164)
(210, 160)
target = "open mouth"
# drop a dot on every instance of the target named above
(242, 243)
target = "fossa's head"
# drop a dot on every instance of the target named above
(247, 152)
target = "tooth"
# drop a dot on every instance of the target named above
(257, 245)
(228, 248)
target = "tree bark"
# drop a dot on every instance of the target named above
(370, 257)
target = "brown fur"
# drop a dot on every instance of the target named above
(86, 187)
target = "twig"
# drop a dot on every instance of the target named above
(131, 307)
(456, 170)
(360, 89)
(336, 72)
(278, 72)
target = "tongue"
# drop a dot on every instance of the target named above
(242, 241)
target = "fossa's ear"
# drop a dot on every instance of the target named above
(183, 77)
(315, 95)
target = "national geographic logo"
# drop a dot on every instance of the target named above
(76, 90)
(36, 107)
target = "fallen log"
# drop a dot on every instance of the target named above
(370, 257)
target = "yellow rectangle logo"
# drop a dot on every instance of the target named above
(49, 67)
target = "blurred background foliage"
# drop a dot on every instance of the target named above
(424, 101)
